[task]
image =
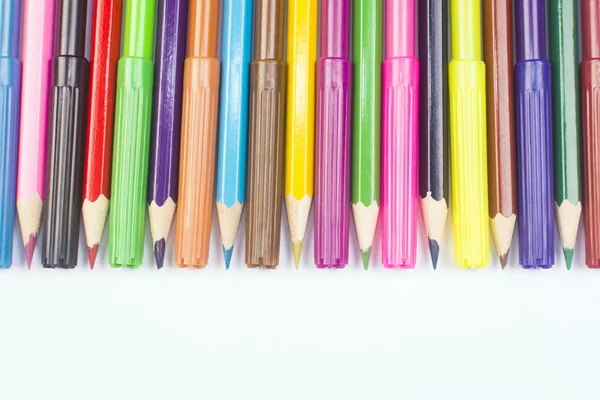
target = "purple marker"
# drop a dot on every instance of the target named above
(534, 136)
(332, 152)
(166, 122)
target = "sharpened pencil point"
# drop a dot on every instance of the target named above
(504, 260)
(366, 256)
(297, 249)
(30, 249)
(227, 254)
(159, 252)
(92, 253)
(434, 250)
(568, 257)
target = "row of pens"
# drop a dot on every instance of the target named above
(367, 127)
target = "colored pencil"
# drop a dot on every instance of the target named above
(37, 53)
(366, 121)
(564, 57)
(105, 46)
(170, 48)
(198, 136)
(332, 152)
(133, 116)
(300, 120)
(534, 136)
(10, 90)
(400, 124)
(236, 52)
(590, 89)
(66, 141)
(433, 121)
(468, 137)
(502, 156)
(266, 136)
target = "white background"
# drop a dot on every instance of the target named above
(307, 334)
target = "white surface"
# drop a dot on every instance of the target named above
(307, 334)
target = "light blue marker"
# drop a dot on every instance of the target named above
(233, 119)
(10, 104)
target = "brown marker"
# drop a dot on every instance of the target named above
(200, 110)
(502, 158)
(266, 136)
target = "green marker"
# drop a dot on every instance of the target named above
(366, 123)
(564, 58)
(133, 116)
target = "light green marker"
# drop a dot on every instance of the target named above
(133, 116)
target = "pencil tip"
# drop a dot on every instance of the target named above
(297, 249)
(366, 256)
(434, 250)
(504, 260)
(92, 253)
(159, 252)
(30, 249)
(227, 253)
(568, 257)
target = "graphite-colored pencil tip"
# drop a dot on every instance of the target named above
(92, 253)
(568, 257)
(504, 260)
(159, 252)
(227, 254)
(434, 250)
(366, 256)
(30, 249)
(297, 249)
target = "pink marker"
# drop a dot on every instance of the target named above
(38, 37)
(400, 118)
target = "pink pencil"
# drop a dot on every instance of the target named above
(38, 36)
(400, 117)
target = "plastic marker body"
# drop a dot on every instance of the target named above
(399, 150)
(564, 58)
(37, 50)
(332, 163)
(468, 137)
(433, 116)
(590, 92)
(533, 88)
(105, 46)
(502, 149)
(66, 141)
(266, 136)
(236, 52)
(198, 136)
(133, 117)
(300, 118)
(367, 42)
(166, 121)
(10, 89)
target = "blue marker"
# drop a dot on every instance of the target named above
(233, 119)
(10, 102)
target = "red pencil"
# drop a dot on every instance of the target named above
(106, 36)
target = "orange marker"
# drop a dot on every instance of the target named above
(198, 136)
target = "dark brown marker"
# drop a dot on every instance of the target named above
(266, 136)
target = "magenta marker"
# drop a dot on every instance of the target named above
(400, 122)
(332, 152)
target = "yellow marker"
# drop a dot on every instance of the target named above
(300, 129)
(468, 137)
